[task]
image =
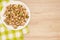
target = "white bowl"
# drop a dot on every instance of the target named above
(9, 27)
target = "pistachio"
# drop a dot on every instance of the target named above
(15, 15)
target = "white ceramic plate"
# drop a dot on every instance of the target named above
(9, 27)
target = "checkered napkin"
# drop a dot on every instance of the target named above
(6, 34)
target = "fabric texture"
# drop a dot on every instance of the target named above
(10, 34)
(6, 34)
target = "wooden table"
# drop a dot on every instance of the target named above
(45, 19)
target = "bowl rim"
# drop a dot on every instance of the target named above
(15, 2)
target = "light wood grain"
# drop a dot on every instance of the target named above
(45, 19)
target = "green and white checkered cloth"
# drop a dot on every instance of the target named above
(6, 34)
(10, 34)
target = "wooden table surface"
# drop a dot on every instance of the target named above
(45, 19)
